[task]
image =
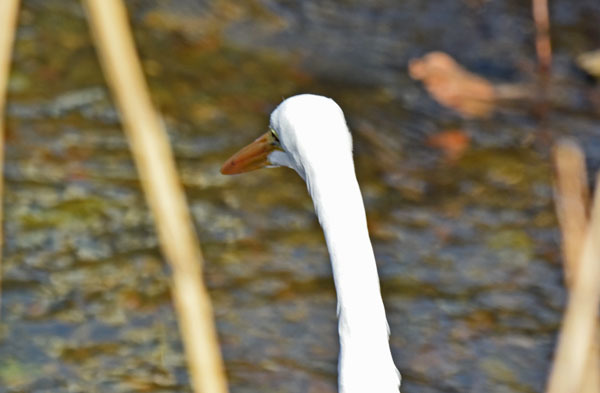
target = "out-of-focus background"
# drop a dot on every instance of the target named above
(459, 206)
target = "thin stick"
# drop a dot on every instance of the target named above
(155, 163)
(572, 203)
(542, 37)
(578, 327)
(8, 25)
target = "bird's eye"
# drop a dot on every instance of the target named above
(274, 135)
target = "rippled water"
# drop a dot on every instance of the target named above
(467, 249)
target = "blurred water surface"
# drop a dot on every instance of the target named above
(467, 248)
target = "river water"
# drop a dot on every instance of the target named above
(467, 248)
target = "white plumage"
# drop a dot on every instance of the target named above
(309, 134)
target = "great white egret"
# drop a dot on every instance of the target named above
(308, 133)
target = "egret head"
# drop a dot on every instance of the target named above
(306, 132)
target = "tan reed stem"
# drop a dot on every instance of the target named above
(164, 192)
(572, 204)
(543, 46)
(578, 330)
(8, 25)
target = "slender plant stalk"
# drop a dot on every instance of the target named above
(8, 25)
(578, 330)
(156, 166)
(543, 46)
(572, 204)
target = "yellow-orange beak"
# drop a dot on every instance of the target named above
(254, 156)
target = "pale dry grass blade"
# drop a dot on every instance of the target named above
(578, 330)
(156, 166)
(543, 46)
(8, 25)
(572, 204)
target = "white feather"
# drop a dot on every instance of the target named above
(317, 144)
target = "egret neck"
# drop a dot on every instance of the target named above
(365, 363)
(308, 133)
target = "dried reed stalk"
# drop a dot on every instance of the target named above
(542, 35)
(156, 165)
(8, 25)
(578, 332)
(572, 204)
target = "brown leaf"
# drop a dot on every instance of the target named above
(453, 86)
(452, 142)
